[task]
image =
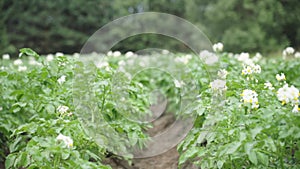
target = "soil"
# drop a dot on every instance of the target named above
(166, 160)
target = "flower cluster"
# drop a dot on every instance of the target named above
(218, 85)
(22, 68)
(129, 54)
(269, 86)
(280, 77)
(62, 79)
(5, 57)
(208, 57)
(18, 62)
(245, 58)
(183, 59)
(64, 110)
(250, 96)
(296, 109)
(257, 57)
(288, 94)
(290, 51)
(32, 61)
(67, 140)
(250, 69)
(49, 57)
(218, 47)
(59, 54)
(114, 54)
(222, 73)
(297, 55)
(178, 84)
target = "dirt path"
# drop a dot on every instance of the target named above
(166, 160)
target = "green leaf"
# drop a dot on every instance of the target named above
(25, 160)
(248, 147)
(255, 131)
(16, 109)
(263, 158)
(271, 144)
(65, 155)
(15, 145)
(28, 52)
(33, 166)
(2, 73)
(232, 147)
(220, 164)
(190, 153)
(50, 108)
(252, 157)
(10, 160)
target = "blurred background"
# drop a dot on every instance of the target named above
(63, 25)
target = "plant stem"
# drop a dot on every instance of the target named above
(56, 161)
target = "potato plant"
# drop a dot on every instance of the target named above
(244, 109)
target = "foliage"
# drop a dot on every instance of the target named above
(245, 109)
(40, 125)
(237, 135)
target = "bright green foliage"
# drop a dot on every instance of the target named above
(41, 124)
(235, 135)
(32, 116)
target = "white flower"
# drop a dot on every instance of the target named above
(117, 53)
(288, 94)
(32, 61)
(66, 139)
(218, 85)
(129, 54)
(165, 52)
(183, 59)
(297, 55)
(248, 70)
(257, 57)
(256, 69)
(5, 57)
(178, 84)
(294, 94)
(269, 86)
(121, 63)
(49, 57)
(245, 58)
(296, 109)
(208, 57)
(57, 54)
(231, 55)
(62, 79)
(280, 77)
(218, 47)
(288, 51)
(62, 109)
(109, 53)
(22, 68)
(250, 96)
(102, 64)
(222, 73)
(18, 62)
(76, 55)
(1, 108)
